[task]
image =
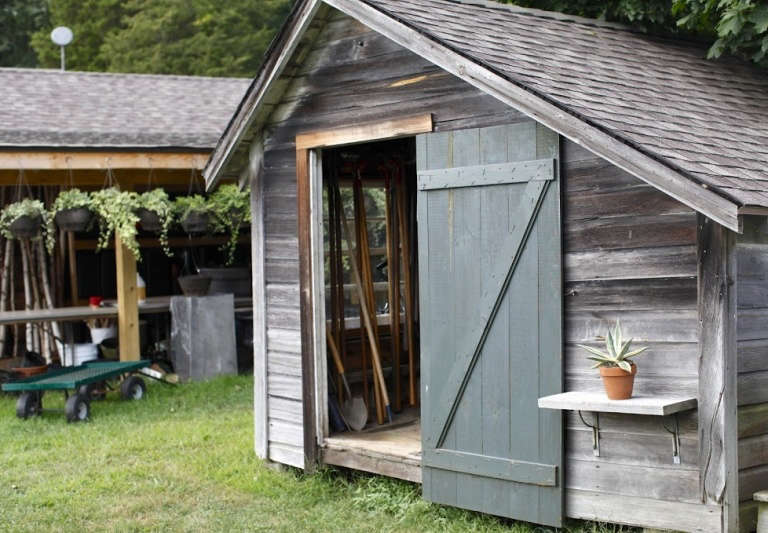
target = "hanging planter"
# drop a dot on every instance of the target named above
(155, 214)
(116, 212)
(27, 219)
(193, 213)
(194, 285)
(616, 366)
(230, 207)
(72, 210)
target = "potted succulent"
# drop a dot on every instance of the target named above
(27, 219)
(72, 210)
(155, 214)
(230, 207)
(616, 366)
(192, 212)
(116, 212)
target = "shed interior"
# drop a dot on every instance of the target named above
(369, 191)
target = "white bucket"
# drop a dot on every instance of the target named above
(99, 334)
(82, 354)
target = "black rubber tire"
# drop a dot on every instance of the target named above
(93, 391)
(133, 388)
(77, 408)
(29, 404)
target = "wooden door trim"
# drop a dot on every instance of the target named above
(314, 391)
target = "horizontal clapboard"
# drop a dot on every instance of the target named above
(494, 174)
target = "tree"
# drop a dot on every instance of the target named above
(196, 37)
(18, 19)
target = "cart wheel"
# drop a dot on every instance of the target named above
(29, 404)
(93, 391)
(77, 408)
(133, 388)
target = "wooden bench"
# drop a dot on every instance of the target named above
(762, 510)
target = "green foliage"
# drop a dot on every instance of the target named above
(230, 208)
(740, 26)
(617, 351)
(116, 212)
(196, 37)
(646, 14)
(184, 205)
(18, 19)
(157, 201)
(71, 199)
(28, 208)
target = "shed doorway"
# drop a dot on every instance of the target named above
(369, 207)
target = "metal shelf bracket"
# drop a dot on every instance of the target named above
(595, 426)
(675, 432)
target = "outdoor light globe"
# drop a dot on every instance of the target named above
(61, 36)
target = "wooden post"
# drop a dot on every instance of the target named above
(127, 302)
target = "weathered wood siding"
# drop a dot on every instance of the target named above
(752, 294)
(630, 253)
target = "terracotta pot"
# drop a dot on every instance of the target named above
(26, 227)
(74, 219)
(149, 220)
(618, 383)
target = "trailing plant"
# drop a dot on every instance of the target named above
(184, 205)
(617, 352)
(29, 208)
(230, 208)
(71, 199)
(116, 211)
(158, 202)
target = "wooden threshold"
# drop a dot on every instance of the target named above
(393, 452)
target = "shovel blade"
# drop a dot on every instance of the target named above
(355, 413)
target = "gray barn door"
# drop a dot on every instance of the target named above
(491, 320)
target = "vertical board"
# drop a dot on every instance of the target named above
(491, 301)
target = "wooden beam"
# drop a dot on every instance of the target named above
(127, 303)
(387, 129)
(100, 160)
(126, 178)
(173, 242)
(303, 194)
(643, 166)
(718, 432)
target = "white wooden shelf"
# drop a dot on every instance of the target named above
(598, 402)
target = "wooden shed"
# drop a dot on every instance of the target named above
(557, 174)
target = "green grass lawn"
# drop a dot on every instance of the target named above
(182, 460)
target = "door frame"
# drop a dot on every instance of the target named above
(309, 183)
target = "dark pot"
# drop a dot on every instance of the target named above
(26, 227)
(73, 219)
(195, 222)
(232, 280)
(149, 220)
(194, 285)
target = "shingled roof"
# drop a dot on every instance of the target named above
(53, 109)
(695, 128)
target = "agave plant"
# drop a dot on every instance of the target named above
(617, 351)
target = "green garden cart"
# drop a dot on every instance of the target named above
(87, 381)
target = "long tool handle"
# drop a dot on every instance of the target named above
(366, 316)
(337, 359)
(406, 258)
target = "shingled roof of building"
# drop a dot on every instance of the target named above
(53, 109)
(707, 119)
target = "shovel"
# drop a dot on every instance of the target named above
(353, 410)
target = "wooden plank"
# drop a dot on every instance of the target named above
(599, 402)
(480, 175)
(753, 388)
(387, 129)
(260, 370)
(361, 459)
(642, 263)
(286, 454)
(753, 451)
(127, 303)
(304, 215)
(284, 386)
(747, 516)
(752, 480)
(622, 232)
(753, 420)
(601, 143)
(641, 511)
(99, 160)
(718, 370)
(494, 467)
(641, 294)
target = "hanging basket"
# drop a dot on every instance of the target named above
(73, 219)
(195, 222)
(194, 285)
(26, 226)
(149, 220)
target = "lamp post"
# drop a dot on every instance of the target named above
(62, 36)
